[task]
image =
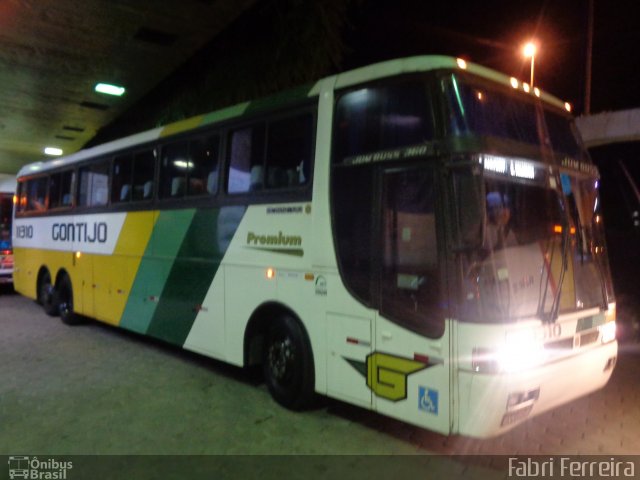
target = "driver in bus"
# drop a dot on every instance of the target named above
(498, 228)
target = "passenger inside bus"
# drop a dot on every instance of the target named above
(5, 237)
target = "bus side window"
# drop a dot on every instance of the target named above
(174, 164)
(379, 118)
(246, 154)
(144, 164)
(203, 174)
(68, 184)
(21, 193)
(37, 194)
(289, 144)
(121, 183)
(61, 189)
(94, 185)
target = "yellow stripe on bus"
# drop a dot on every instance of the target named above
(182, 126)
(113, 275)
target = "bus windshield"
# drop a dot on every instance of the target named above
(515, 270)
(478, 110)
(538, 235)
(537, 253)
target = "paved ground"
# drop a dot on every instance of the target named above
(96, 390)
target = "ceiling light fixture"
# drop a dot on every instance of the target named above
(53, 151)
(109, 89)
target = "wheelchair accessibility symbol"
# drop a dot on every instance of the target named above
(428, 400)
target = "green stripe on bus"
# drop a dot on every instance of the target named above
(165, 242)
(225, 113)
(192, 273)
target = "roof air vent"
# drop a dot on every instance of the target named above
(94, 105)
(156, 37)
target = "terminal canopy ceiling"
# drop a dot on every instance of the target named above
(54, 52)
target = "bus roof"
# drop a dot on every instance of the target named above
(342, 80)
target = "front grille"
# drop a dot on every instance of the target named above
(568, 344)
(560, 345)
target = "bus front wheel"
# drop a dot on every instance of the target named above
(288, 364)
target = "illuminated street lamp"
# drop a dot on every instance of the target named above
(529, 50)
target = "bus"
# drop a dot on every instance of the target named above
(420, 237)
(7, 191)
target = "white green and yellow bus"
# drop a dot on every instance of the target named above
(420, 237)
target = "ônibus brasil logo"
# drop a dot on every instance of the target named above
(33, 468)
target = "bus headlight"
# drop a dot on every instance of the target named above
(522, 350)
(607, 332)
(608, 329)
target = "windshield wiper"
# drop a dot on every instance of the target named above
(555, 306)
(546, 279)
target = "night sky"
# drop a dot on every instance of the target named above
(492, 32)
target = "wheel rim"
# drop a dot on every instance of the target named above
(66, 303)
(65, 308)
(46, 290)
(281, 358)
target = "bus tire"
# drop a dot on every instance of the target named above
(288, 364)
(64, 293)
(47, 294)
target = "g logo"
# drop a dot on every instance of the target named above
(387, 375)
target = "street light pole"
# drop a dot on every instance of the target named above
(530, 51)
(587, 87)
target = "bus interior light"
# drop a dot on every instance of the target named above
(557, 229)
(536, 91)
(183, 164)
(514, 82)
(526, 87)
(271, 273)
(567, 106)
(461, 63)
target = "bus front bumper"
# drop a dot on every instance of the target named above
(492, 404)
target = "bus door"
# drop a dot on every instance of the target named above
(409, 370)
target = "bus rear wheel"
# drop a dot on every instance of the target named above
(64, 294)
(288, 364)
(47, 294)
